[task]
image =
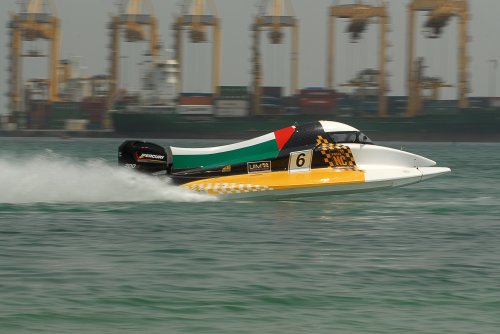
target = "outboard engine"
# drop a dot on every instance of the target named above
(144, 157)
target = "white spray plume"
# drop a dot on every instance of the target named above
(53, 178)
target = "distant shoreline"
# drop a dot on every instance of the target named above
(375, 136)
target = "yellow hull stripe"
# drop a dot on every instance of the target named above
(245, 183)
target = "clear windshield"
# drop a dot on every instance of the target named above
(350, 137)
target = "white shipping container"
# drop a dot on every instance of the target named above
(9, 126)
(76, 124)
(195, 110)
(494, 102)
(231, 108)
(238, 104)
(231, 112)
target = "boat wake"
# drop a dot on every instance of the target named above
(53, 178)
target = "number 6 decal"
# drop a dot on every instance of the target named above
(300, 161)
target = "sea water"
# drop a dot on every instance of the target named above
(87, 247)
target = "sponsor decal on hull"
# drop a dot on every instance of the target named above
(259, 167)
(336, 155)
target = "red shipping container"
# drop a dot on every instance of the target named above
(96, 115)
(195, 100)
(37, 115)
(317, 92)
(317, 110)
(94, 109)
(317, 102)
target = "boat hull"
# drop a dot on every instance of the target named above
(318, 182)
(316, 158)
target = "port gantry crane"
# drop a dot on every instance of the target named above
(37, 19)
(281, 15)
(134, 16)
(439, 14)
(196, 16)
(359, 15)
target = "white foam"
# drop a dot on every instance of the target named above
(52, 178)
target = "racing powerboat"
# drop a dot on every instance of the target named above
(317, 158)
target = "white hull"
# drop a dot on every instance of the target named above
(377, 168)
(378, 180)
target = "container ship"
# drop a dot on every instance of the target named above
(230, 116)
(157, 110)
(231, 113)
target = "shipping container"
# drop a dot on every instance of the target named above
(271, 101)
(96, 115)
(196, 94)
(231, 112)
(195, 109)
(233, 92)
(94, 110)
(494, 102)
(131, 99)
(94, 126)
(272, 110)
(317, 101)
(368, 107)
(272, 91)
(195, 100)
(94, 102)
(59, 112)
(478, 102)
(76, 124)
(65, 107)
(317, 92)
(37, 115)
(434, 104)
(291, 100)
(9, 126)
(232, 108)
(315, 110)
(20, 120)
(231, 103)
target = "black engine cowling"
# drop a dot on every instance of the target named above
(144, 156)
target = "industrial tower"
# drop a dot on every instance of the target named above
(134, 16)
(439, 13)
(359, 15)
(196, 16)
(273, 16)
(37, 19)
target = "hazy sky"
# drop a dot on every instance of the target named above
(84, 35)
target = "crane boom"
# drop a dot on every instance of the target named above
(440, 12)
(359, 15)
(279, 16)
(134, 17)
(196, 16)
(36, 20)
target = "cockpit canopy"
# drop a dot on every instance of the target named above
(349, 137)
(343, 133)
